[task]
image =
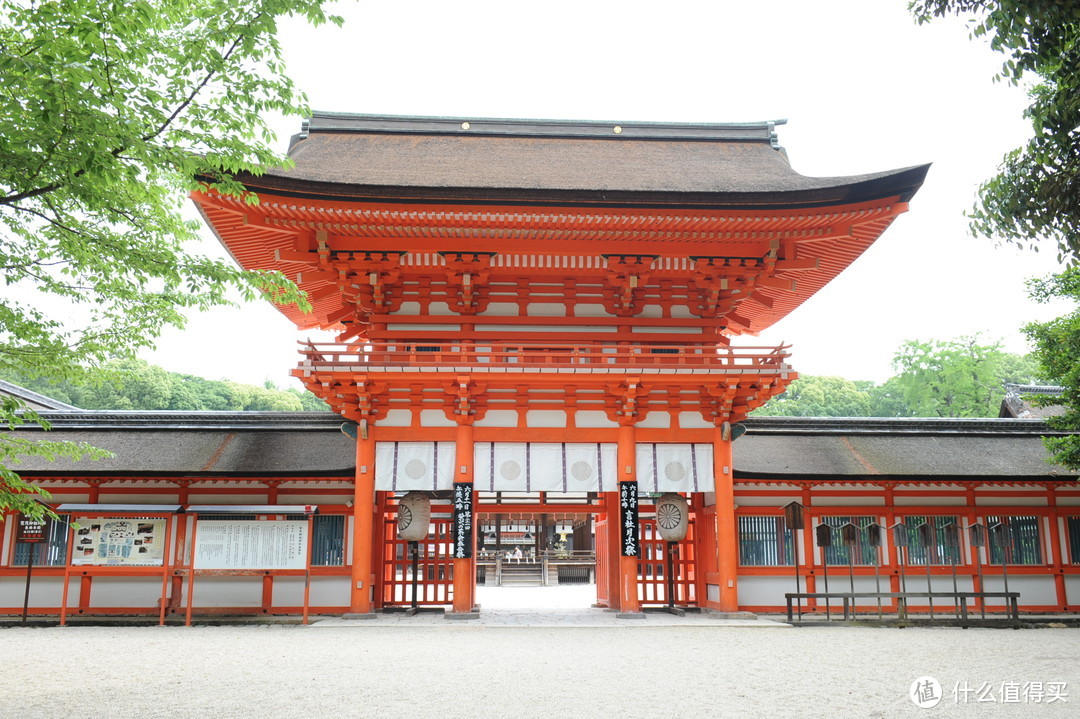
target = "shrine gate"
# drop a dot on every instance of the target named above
(546, 308)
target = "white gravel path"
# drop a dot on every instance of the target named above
(472, 670)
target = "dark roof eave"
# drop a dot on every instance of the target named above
(744, 476)
(901, 184)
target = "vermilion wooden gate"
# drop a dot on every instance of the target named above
(434, 565)
(653, 567)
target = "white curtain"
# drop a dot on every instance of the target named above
(406, 466)
(544, 467)
(675, 467)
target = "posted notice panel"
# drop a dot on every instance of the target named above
(251, 544)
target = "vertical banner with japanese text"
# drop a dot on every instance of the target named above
(628, 521)
(463, 520)
(29, 530)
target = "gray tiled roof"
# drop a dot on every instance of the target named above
(344, 155)
(312, 444)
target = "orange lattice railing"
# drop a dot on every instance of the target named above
(371, 356)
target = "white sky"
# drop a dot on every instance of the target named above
(863, 87)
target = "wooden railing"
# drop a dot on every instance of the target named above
(502, 357)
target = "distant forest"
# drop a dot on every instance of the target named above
(135, 384)
(940, 378)
(948, 378)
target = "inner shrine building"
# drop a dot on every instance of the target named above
(544, 319)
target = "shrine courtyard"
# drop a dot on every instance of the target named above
(469, 669)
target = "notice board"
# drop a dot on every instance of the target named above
(118, 541)
(251, 544)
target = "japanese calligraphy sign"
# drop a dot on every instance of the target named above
(628, 519)
(251, 544)
(29, 530)
(463, 520)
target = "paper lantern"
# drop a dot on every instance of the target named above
(414, 516)
(672, 517)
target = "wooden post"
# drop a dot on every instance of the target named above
(628, 566)
(727, 538)
(363, 576)
(465, 569)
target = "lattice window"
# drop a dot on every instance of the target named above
(1072, 524)
(937, 550)
(862, 552)
(764, 542)
(1021, 543)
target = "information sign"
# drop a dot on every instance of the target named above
(463, 520)
(251, 544)
(628, 504)
(118, 541)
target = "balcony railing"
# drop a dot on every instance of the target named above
(546, 357)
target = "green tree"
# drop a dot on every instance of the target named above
(956, 378)
(812, 396)
(1057, 347)
(1036, 194)
(110, 112)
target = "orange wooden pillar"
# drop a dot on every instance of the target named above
(363, 574)
(611, 548)
(727, 536)
(465, 569)
(628, 601)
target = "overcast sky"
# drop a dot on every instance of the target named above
(864, 89)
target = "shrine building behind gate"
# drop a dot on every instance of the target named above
(540, 319)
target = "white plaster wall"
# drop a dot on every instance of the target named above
(825, 500)
(227, 592)
(7, 532)
(397, 418)
(656, 420)
(1033, 589)
(44, 591)
(500, 309)
(317, 499)
(410, 327)
(435, 418)
(590, 310)
(165, 497)
(666, 330)
(498, 418)
(755, 501)
(546, 309)
(1072, 589)
(991, 501)
(578, 329)
(590, 419)
(408, 308)
(325, 592)
(545, 418)
(125, 592)
(769, 591)
(652, 311)
(929, 500)
(694, 420)
(259, 497)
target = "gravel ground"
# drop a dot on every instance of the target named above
(476, 670)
